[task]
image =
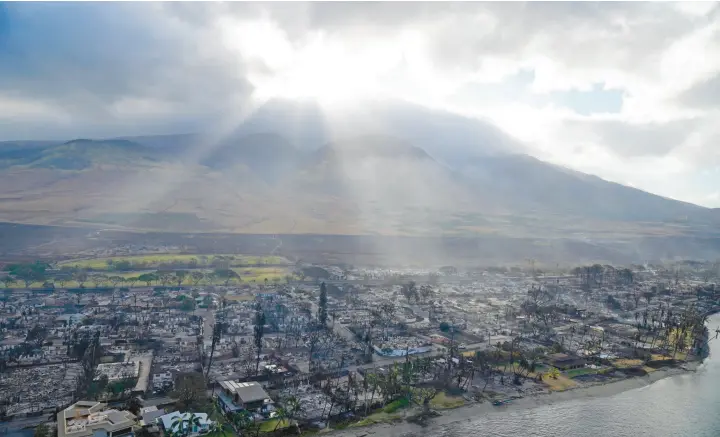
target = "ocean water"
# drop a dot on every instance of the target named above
(678, 406)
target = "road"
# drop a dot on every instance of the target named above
(208, 322)
(337, 328)
(24, 422)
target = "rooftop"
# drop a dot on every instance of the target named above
(83, 417)
(247, 391)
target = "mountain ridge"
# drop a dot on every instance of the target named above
(358, 184)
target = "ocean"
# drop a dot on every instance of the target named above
(677, 406)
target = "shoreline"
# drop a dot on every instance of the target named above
(474, 409)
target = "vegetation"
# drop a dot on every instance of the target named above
(78, 275)
(42, 430)
(274, 425)
(173, 261)
(441, 400)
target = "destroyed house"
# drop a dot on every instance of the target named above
(91, 419)
(565, 361)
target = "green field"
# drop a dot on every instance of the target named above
(246, 274)
(443, 401)
(273, 424)
(157, 260)
(100, 276)
(259, 274)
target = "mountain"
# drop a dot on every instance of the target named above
(76, 154)
(536, 185)
(448, 137)
(380, 169)
(381, 174)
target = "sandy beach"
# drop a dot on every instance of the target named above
(473, 410)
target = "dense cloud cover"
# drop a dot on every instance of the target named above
(627, 91)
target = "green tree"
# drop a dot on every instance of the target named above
(180, 276)
(219, 429)
(292, 408)
(242, 420)
(188, 305)
(29, 273)
(280, 416)
(41, 431)
(148, 278)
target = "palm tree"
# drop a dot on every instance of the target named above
(219, 429)
(184, 424)
(242, 420)
(372, 381)
(193, 421)
(280, 416)
(292, 409)
(177, 426)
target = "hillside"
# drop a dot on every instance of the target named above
(77, 154)
(363, 185)
(535, 185)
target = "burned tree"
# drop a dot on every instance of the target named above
(259, 332)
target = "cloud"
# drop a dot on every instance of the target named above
(702, 95)
(107, 63)
(632, 140)
(626, 90)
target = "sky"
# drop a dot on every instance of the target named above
(627, 91)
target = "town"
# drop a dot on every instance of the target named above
(187, 344)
